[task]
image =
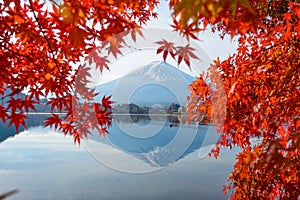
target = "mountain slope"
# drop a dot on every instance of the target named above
(155, 83)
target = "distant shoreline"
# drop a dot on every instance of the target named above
(117, 114)
(181, 116)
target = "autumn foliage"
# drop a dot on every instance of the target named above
(261, 86)
(40, 45)
(252, 94)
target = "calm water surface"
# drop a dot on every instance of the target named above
(136, 164)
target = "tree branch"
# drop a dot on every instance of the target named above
(44, 36)
(20, 55)
(4, 196)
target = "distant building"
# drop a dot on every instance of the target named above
(181, 109)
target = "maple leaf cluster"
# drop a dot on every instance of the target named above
(261, 90)
(178, 53)
(230, 16)
(40, 42)
(269, 170)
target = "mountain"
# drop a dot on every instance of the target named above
(41, 107)
(6, 97)
(155, 83)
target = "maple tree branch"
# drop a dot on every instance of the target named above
(265, 50)
(44, 36)
(5, 195)
(55, 3)
(20, 55)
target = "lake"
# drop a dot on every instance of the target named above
(142, 158)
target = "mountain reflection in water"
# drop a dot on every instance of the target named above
(167, 145)
(44, 164)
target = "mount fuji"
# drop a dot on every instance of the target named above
(155, 83)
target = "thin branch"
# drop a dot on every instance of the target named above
(44, 36)
(55, 3)
(20, 55)
(4, 196)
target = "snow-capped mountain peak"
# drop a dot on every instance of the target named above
(159, 71)
(155, 83)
